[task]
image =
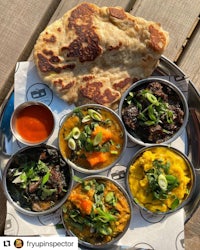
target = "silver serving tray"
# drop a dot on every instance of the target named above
(165, 68)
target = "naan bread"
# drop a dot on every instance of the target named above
(94, 54)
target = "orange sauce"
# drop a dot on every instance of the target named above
(34, 123)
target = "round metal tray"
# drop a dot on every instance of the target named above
(165, 68)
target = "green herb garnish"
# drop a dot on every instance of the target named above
(161, 183)
(83, 139)
(154, 108)
(100, 218)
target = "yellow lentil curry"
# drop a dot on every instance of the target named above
(159, 179)
(91, 138)
(96, 211)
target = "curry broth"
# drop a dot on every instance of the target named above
(85, 158)
(87, 233)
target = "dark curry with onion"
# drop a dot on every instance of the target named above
(153, 113)
(38, 178)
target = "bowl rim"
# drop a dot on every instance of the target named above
(16, 112)
(124, 192)
(96, 171)
(187, 161)
(15, 204)
(174, 88)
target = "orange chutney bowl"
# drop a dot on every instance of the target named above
(32, 123)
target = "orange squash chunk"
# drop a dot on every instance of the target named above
(106, 134)
(82, 202)
(95, 158)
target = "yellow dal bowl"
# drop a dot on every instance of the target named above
(160, 179)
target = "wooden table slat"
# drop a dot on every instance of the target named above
(192, 232)
(20, 24)
(187, 63)
(177, 17)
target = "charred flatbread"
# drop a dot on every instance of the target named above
(94, 54)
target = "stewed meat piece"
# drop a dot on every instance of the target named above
(130, 114)
(157, 89)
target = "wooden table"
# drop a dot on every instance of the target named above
(22, 21)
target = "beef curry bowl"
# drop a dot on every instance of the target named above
(154, 111)
(37, 180)
(97, 211)
(92, 138)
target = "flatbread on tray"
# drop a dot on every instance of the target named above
(92, 54)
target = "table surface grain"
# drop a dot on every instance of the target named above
(22, 21)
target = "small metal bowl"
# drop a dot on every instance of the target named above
(140, 135)
(32, 123)
(93, 237)
(29, 193)
(85, 148)
(152, 192)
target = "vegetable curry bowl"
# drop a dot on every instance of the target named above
(37, 180)
(160, 179)
(92, 138)
(154, 111)
(97, 211)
